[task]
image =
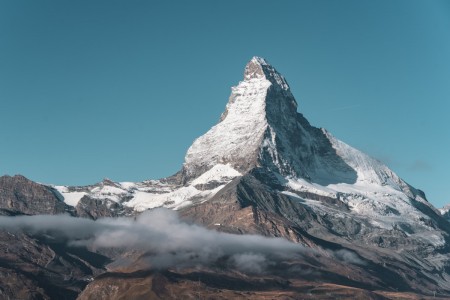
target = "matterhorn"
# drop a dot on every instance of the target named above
(263, 169)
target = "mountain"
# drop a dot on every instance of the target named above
(265, 170)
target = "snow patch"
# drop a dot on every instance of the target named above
(108, 192)
(219, 172)
(176, 199)
(70, 198)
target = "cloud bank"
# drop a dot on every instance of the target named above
(164, 240)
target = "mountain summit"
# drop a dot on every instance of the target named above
(258, 68)
(239, 136)
(261, 128)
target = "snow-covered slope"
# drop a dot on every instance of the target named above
(445, 211)
(235, 140)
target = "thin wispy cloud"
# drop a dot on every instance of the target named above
(346, 107)
(420, 166)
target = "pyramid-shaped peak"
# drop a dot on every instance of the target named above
(259, 68)
(259, 108)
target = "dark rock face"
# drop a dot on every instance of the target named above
(21, 195)
(296, 148)
(100, 208)
(17, 286)
(205, 284)
(42, 268)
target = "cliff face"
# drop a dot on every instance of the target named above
(19, 195)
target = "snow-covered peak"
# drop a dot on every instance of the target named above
(259, 68)
(257, 105)
(253, 69)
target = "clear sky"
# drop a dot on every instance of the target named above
(120, 89)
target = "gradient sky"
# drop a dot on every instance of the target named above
(120, 89)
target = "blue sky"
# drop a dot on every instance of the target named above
(120, 89)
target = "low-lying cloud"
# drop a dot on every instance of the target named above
(163, 238)
(165, 241)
